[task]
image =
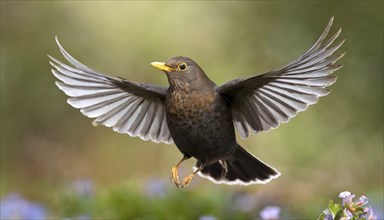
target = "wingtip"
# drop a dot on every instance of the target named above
(332, 80)
(341, 55)
(338, 32)
(332, 19)
(51, 57)
(339, 66)
(58, 42)
(342, 42)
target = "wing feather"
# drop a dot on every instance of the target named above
(133, 108)
(262, 102)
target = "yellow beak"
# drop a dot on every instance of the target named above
(161, 66)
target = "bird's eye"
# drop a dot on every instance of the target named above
(182, 66)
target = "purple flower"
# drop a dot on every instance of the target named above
(84, 187)
(327, 215)
(270, 213)
(368, 213)
(346, 197)
(15, 207)
(356, 209)
(348, 214)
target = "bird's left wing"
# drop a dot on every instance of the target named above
(262, 102)
(128, 107)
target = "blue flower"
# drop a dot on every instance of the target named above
(270, 213)
(15, 207)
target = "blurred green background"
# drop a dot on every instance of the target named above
(47, 146)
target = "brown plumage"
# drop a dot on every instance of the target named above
(199, 116)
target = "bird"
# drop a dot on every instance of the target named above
(197, 115)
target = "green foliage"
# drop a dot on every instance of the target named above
(335, 210)
(131, 201)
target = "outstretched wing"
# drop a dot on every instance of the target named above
(128, 107)
(262, 102)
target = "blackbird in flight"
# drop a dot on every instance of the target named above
(199, 116)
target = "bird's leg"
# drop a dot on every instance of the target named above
(186, 180)
(175, 173)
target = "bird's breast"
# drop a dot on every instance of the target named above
(192, 114)
(200, 124)
(190, 105)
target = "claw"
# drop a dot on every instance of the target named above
(175, 176)
(187, 180)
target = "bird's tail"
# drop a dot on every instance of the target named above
(241, 168)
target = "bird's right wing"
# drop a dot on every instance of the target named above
(262, 102)
(128, 107)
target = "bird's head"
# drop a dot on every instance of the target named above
(184, 73)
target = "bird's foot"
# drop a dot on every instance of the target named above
(186, 180)
(175, 176)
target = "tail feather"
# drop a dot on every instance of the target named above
(241, 168)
